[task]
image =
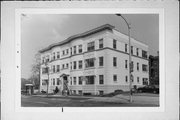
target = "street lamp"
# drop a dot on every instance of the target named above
(130, 63)
(47, 81)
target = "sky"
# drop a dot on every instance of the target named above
(40, 30)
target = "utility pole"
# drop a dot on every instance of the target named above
(130, 63)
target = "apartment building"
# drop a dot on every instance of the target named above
(154, 70)
(94, 62)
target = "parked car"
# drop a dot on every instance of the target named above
(148, 89)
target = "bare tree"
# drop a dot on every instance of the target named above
(35, 71)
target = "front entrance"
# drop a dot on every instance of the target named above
(65, 88)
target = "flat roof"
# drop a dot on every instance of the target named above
(81, 35)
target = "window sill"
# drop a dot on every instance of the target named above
(64, 69)
(89, 68)
(76, 70)
(101, 66)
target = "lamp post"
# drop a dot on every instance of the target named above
(130, 63)
(47, 81)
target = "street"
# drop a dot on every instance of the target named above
(141, 100)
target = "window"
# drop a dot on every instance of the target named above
(67, 65)
(43, 59)
(132, 65)
(44, 82)
(80, 48)
(137, 66)
(132, 50)
(101, 62)
(89, 62)
(80, 80)
(125, 47)
(71, 80)
(145, 81)
(101, 92)
(144, 54)
(114, 43)
(80, 64)
(74, 49)
(144, 68)
(54, 57)
(58, 55)
(63, 66)
(137, 51)
(67, 51)
(74, 81)
(115, 78)
(80, 92)
(74, 65)
(137, 79)
(63, 52)
(101, 79)
(58, 81)
(53, 81)
(45, 70)
(114, 61)
(90, 46)
(101, 43)
(126, 79)
(126, 64)
(57, 68)
(54, 68)
(71, 65)
(47, 60)
(71, 50)
(89, 80)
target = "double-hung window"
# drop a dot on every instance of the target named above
(144, 54)
(126, 48)
(115, 78)
(74, 64)
(101, 43)
(74, 49)
(91, 46)
(101, 79)
(89, 62)
(89, 80)
(80, 48)
(114, 43)
(58, 55)
(114, 61)
(144, 68)
(101, 61)
(80, 64)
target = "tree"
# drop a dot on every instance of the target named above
(35, 71)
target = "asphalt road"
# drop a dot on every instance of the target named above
(73, 101)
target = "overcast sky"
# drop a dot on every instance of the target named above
(39, 31)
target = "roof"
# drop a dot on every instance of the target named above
(81, 35)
